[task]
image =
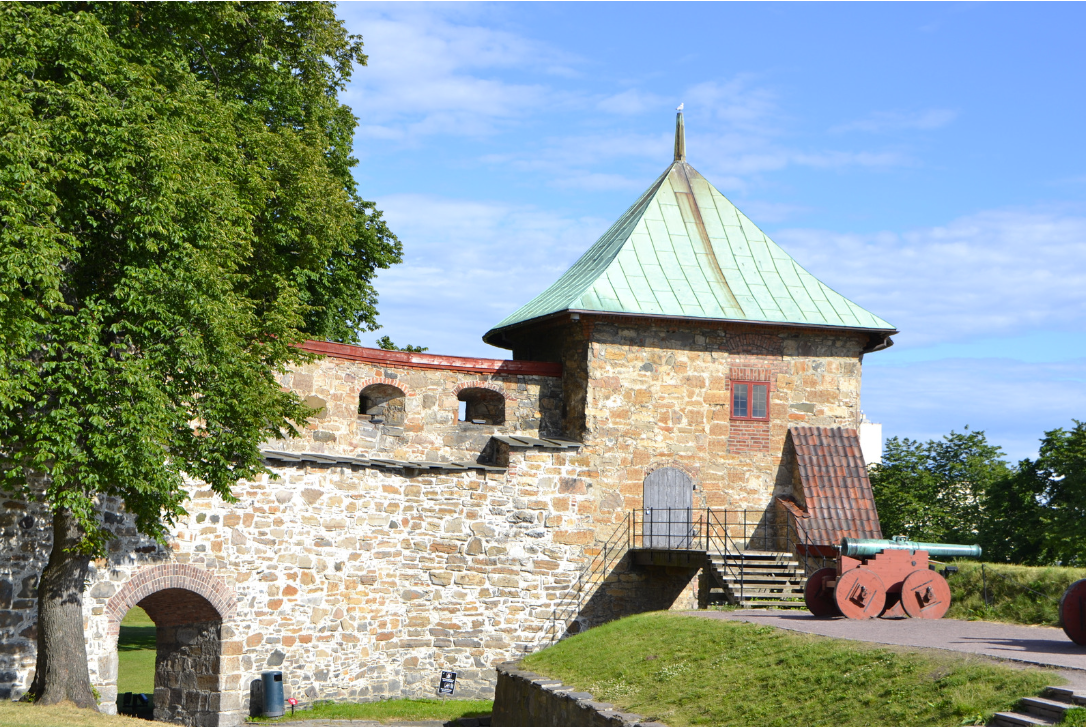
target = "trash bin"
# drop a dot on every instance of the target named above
(272, 681)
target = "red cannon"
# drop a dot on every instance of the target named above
(888, 578)
(1073, 612)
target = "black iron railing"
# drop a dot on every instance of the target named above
(588, 578)
(730, 533)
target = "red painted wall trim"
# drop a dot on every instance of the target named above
(434, 361)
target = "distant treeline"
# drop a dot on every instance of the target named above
(960, 489)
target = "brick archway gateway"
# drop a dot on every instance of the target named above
(170, 576)
(195, 681)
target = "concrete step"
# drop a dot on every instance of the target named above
(794, 574)
(755, 593)
(772, 604)
(1014, 719)
(1067, 695)
(1044, 708)
(759, 578)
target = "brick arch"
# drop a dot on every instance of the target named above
(387, 382)
(170, 577)
(483, 385)
(693, 472)
(757, 344)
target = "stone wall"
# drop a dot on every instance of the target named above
(526, 699)
(363, 582)
(428, 427)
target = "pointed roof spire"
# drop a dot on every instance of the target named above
(680, 136)
(684, 251)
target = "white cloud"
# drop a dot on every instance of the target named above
(1013, 402)
(884, 121)
(468, 264)
(434, 70)
(631, 101)
(995, 273)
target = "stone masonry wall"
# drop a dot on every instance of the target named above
(526, 699)
(360, 582)
(430, 429)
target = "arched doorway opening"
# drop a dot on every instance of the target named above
(668, 509)
(383, 404)
(187, 607)
(481, 406)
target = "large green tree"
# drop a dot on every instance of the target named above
(935, 491)
(1037, 515)
(176, 213)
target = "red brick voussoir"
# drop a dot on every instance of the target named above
(153, 579)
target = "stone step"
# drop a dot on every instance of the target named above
(782, 564)
(749, 578)
(758, 590)
(772, 604)
(1067, 695)
(1014, 719)
(1044, 708)
(748, 568)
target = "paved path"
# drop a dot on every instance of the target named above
(1038, 645)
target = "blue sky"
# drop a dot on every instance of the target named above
(924, 159)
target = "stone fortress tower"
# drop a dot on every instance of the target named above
(452, 513)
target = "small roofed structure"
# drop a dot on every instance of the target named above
(832, 497)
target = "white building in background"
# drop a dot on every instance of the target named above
(870, 440)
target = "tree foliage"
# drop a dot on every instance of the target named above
(959, 489)
(176, 212)
(385, 343)
(935, 491)
(1037, 514)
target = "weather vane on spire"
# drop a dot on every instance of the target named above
(680, 136)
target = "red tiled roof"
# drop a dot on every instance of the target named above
(836, 493)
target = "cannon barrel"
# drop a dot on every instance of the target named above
(867, 547)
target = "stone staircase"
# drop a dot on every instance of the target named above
(1047, 710)
(757, 579)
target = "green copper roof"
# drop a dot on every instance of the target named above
(684, 250)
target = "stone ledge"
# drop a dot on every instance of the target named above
(526, 699)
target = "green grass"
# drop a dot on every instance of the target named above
(136, 653)
(21, 714)
(1074, 717)
(1007, 592)
(688, 671)
(392, 710)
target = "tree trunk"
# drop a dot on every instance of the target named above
(61, 672)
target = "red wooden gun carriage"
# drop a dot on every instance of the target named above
(888, 578)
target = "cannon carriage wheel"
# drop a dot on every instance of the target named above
(819, 597)
(925, 594)
(1073, 612)
(860, 594)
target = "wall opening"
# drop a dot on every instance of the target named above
(136, 651)
(383, 404)
(481, 406)
(188, 645)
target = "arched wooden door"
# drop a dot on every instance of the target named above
(668, 509)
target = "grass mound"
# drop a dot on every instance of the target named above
(392, 710)
(21, 714)
(1016, 593)
(691, 671)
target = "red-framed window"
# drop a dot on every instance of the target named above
(750, 400)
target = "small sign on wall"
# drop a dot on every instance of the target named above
(447, 683)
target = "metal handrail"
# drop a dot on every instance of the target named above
(588, 577)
